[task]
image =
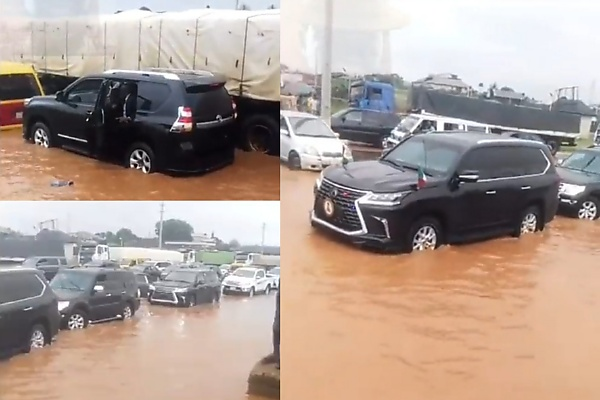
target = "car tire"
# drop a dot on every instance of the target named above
(251, 292)
(38, 338)
(419, 236)
(268, 289)
(260, 125)
(41, 135)
(530, 221)
(191, 302)
(128, 311)
(589, 209)
(294, 162)
(78, 319)
(140, 156)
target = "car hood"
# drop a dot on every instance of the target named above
(323, 145)
(68, 295)
(171, 285)
(375, 176)
(577, 177)
(237, 280)
(42, 99)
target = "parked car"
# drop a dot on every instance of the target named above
(247, 281)
(87, 295)
(143, 282)
(554, 148)
(306, 142)
(580, 184)
(176, 267)
(101, 264)
(365, 126)
(29, 317)
(273, 273)
(174, 121)
(435, 189)
(153, 269)
(18, 82)
(48, 265)
(186, 287)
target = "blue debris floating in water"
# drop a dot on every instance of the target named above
(61, 183)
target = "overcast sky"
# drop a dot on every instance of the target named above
(532, 46)
(241, 220)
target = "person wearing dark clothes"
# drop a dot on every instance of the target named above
(276, 331)
(128, 103)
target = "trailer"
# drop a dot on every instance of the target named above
(242, 46)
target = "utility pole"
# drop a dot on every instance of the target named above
(262, 242)
(160, 225)
(326, 63)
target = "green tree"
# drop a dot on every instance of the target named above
(234, 244)
(175, 230)
(125, 235)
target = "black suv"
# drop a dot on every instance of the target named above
(148, 120)
(580, 186)
(95, 294)
(187, 287)
(366, 126)
(29, 317)
(48, 265)
(443, 188)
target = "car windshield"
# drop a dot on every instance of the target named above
(310, 127)
(244, 273)
(356, 92)
(72, 280)
(585, 161)
(407, 124)
(433, 156)
(274, 271)
(181, 276)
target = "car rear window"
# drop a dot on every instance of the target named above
(208, 102)
(18, 87)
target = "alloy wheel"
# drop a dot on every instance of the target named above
(127, 313)
(37, 340)
(139, 159)
(529, 223)
(425, 239)
(76, 321)
(41, 138)
(588, 210)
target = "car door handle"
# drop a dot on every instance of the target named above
(108, 294)
(28, 309)
(525, 187)
(490, 192)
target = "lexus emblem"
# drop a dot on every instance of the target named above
(328, 207)
(219, 118)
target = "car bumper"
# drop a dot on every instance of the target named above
(185, 160)
(569, 205)
(318, 163)
(230, 289)
(169, 298)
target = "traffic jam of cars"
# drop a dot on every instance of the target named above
(37, 302)
(435, 183)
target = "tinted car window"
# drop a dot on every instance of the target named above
(85, 92)
(504, 162)
(373, 118)
(48, 261)
(152, 95)
(525, 161)
(17, 87)
(487, 161)
(19, 286)
(208, 102)
(260, 274)
(353, 116)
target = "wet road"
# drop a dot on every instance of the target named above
(506, 319)
(27, 171)
(205, 352)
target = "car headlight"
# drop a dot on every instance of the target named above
(571, 190)
(180, 290)
(151, 287)
(310, 151)
(62, 305)
(384, 199)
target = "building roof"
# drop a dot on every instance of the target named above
(573, 107)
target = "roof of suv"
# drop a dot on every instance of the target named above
(469, 139)
(18, 269)
(185, 76)
(199, 269)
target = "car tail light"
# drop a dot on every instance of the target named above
(234, 106)
(184, 122)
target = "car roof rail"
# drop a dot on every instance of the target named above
(195, 72)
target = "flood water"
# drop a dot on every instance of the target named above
(27, 171)
(505, 319)
(205, 352)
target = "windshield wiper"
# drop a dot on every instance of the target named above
(393, 163)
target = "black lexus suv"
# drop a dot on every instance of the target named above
(179, 122)
(95, 294)
(29, 317)
(435, 189)
(580, 187)
(186, 287)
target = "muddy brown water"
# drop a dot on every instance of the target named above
(26, 172)
(205, 352)
(504, 319)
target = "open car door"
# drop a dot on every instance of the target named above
(96, 120)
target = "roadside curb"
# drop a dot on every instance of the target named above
(264, 380)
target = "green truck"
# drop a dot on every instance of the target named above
(215, 257)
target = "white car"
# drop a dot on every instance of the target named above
(247, 281)
(307, 142)
(274, 275)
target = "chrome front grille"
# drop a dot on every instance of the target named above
(345, 214)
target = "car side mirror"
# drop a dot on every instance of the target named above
(60, 95)
(98, 289)
(468, 176)
(284, 132)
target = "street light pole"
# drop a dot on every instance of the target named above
(326, 63)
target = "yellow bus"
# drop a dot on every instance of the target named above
(18, 82)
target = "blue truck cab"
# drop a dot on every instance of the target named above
(369, 95)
